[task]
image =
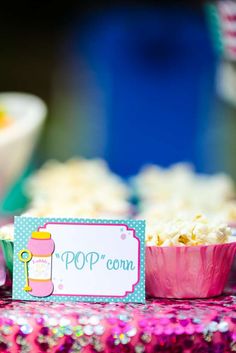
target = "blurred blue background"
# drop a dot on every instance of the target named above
(154, 72)
(130, 83)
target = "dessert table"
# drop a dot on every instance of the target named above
(177, 326)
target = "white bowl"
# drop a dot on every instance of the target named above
(18, 140)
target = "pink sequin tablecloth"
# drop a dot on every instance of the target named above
(177, 326)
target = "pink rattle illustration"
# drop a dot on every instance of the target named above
(38, 256)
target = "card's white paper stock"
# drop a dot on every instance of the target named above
(79, 259)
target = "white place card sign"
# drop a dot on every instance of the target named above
(79, 259)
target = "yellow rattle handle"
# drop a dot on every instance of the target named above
(26, 259)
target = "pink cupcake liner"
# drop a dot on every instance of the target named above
(231, 283)
(188, 271)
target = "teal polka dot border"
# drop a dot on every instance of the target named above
(24, 226)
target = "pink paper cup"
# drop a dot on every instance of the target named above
(188, 271)
(231, 283)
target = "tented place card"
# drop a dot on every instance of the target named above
(60, 259)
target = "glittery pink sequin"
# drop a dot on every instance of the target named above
(174, 326)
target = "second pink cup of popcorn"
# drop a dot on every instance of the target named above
(188, 271)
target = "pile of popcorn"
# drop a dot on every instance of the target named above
(179, 232)
(180, 182)
(77, 188)
(172, 200)
(179, 191)
(167, 211)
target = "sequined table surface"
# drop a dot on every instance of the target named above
(177, 326)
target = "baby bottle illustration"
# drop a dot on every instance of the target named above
(40, 247)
